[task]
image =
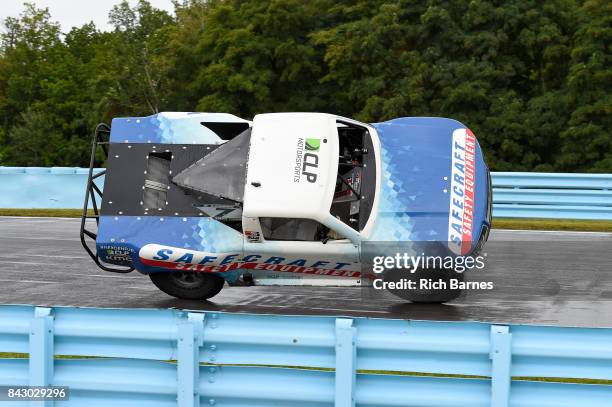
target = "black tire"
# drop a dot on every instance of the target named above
(428, 296)
(188, 285)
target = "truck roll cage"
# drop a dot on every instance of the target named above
(100, 139)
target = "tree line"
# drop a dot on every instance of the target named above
(531, 78)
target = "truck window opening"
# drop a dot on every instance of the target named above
(355, 154)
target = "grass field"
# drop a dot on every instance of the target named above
(51, 213)
(8, 355)
(553, 224)
(498, 223)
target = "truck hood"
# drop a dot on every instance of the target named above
(434, 184)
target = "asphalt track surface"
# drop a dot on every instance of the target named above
(42, 263)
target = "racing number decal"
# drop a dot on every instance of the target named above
(222, 212)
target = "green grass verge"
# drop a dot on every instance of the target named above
(50, 213)
(553, 224)
(498, 223)
(12, 355)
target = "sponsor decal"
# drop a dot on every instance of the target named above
(252, 236)
(174, 258)
(116, 254)
(313, 144)
(299, 156)
(463, 180)
(306, 163)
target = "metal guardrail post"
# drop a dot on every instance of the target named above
(41, 351)
(346, 360)
(501, 357)
(190, 338)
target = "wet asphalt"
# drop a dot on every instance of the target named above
(540, 277)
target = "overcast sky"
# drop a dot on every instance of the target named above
(70, 13)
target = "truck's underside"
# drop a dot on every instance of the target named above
(171, 180)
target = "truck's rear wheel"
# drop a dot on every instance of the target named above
(188, 285)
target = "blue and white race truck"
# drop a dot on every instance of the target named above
(197, 199)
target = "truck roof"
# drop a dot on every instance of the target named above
(292, 165)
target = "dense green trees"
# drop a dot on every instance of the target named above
(531, 78)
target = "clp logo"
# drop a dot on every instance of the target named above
(313, 144)
(311, 159)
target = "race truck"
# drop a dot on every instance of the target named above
(195, 200)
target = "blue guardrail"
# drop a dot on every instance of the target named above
(155, 357)
(550, 195)
(515, 194)
(40, 187)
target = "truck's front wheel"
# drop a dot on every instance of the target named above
(188, 285)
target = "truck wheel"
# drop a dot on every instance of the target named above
(188, 285)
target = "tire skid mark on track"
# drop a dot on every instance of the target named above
(24, 262)
(51, 256)
(4, 236)
(30, 281)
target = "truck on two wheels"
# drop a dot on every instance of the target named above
(195, 200)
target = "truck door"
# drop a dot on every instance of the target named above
(298, 251)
